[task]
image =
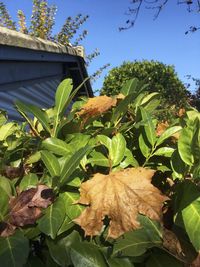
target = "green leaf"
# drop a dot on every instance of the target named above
(129, 160)
(168, 133)
(14, 250)
(148, 127)
(72, 210)
(62, 94)
(71, 164)
(187, 208)
(148, 98)
(135, 243)
(60, 248)
(86, 254)
(52, 219)
(104, 140)
(33, 158)
(191, 219)
(37, 112)
(117, 149)
(56, 146)
(28, 181)
(5, 184)
(164, 151)
(144, 147)
(122, 108)
(6, 130)
(51, 163)
(119, 262)
(188, 143)
(162, 259)
(178, 165)
(129, 86)
(4, 206)
(98, 159)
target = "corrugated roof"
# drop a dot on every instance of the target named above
(18, 39)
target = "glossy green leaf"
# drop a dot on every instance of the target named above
(129, 160)
(51, 163)
(178, 165)
(119, 262)
(191, 219)
(72, 210)
(6, 185)
(129, 86)
(149, 98)
(144, 147)
(56, 146)
(3, 203)
(187, 209)
(164, 151)
(33, 158)
(122, 108)
(162, 259)
(53, 218)
(117, 149)
(135, 243)
(6, 130)
(148, 127)
(71, 164)
(14, 250)
(60, 248)
(37, 112)
(62, 94)
(86, 254)
(168, 133)
(104, 140)
(28, 181)
(188, 143)
(98, 159)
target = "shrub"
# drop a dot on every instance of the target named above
(161, 78)
(105, 185)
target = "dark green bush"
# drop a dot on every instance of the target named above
(161, 78)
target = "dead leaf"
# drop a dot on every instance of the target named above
(121, 196)
(196, 262)
(13, 172)
(181, 112)
(96, 106)
(172, 244)
(26, 207)
(161, 127)
(6, 229)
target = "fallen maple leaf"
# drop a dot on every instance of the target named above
(26, 207)
(96, 106)
(121, 196)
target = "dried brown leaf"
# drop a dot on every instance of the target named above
(96, 106)
(26, 207)
(172, 244)
(196, 262)
(6, 229)
(121, 196)
(161, 127)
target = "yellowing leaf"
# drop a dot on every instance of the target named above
(121, 196)
(96, 106)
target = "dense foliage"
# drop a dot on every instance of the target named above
(104, 185)
(161, 78)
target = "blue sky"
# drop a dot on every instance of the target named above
(162, 39)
